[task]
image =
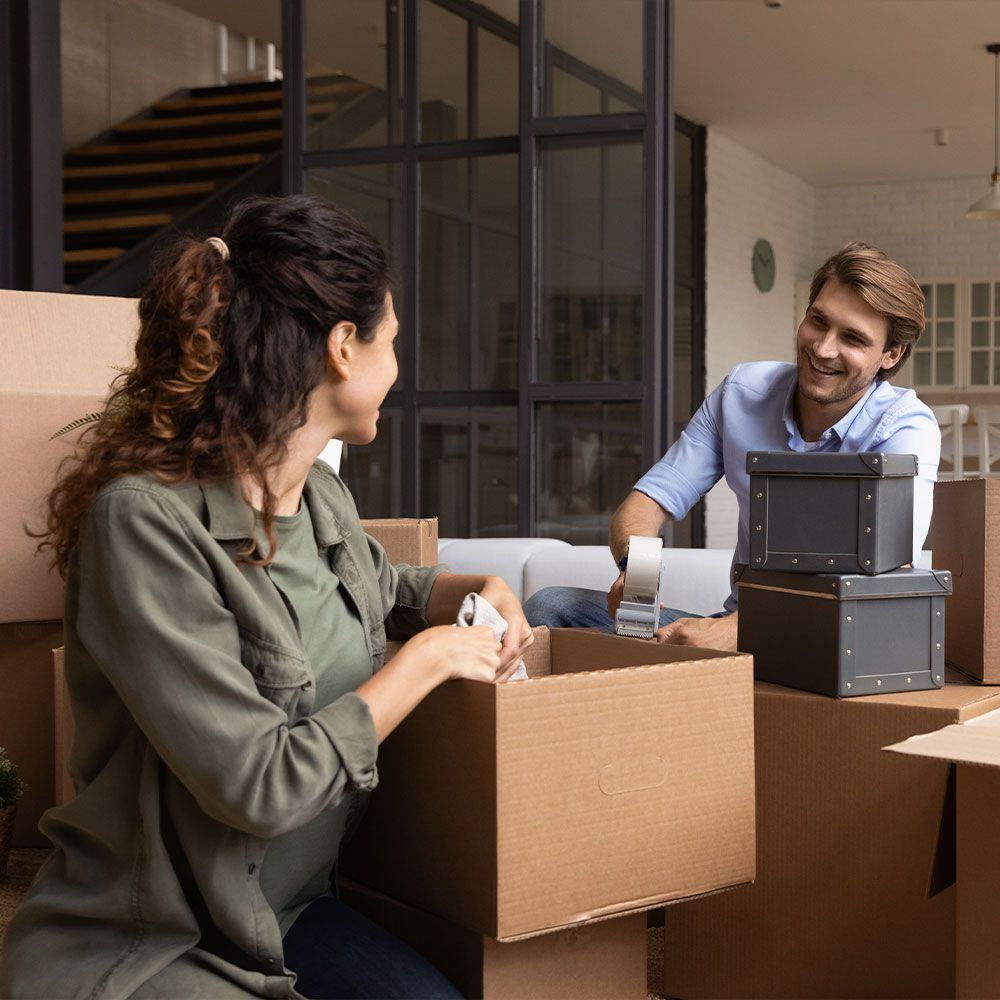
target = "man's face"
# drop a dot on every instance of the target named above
(841, 345)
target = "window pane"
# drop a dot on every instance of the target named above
(373, 471)
(945, 368)
(683, 201)
(372, 193)
(980, 334)
(573, 96)
(946, 301)
(981, 299)
(468, 470)
(922, 368)
(346, 83)
(595, 41)
(588, 460)
(444, 302)
(945, 334)
(979, 372)
(496, 308)
(996, 334)
(996, 368)
(444, 64)
(928, 291)
(498, 86)
(996, 299)
(591, 306)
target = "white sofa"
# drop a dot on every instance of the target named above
(695, 580)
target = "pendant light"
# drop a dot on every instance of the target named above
(988, 207)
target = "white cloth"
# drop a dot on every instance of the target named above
(476, 610)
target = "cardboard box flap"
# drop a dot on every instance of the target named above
(974, 742)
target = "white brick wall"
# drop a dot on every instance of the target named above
(921, 224)
(748, 198)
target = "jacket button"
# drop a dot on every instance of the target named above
(252, 869)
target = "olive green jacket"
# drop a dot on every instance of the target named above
(195, 744)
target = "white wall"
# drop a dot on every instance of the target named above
(921, 224)
(748, 198)
(118, 56)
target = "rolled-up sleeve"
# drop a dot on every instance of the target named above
(151, 616)
(405, 591)
(692, 465)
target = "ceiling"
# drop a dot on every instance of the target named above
(844, 91)
(834, 91)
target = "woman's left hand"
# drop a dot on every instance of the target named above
(519, 636)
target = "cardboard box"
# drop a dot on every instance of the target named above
(410, 540)
(56, 353)
(617, 778)
(850, 897)
(598, 960)
(965, 537)
(975, 748)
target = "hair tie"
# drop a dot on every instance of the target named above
(219, 244)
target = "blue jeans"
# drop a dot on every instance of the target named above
(339, 954)
(576, 607)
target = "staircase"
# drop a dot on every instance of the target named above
(178, 165)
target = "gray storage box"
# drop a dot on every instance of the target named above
(845, 635)
(831, 512)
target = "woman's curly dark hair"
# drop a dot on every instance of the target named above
(227, 355)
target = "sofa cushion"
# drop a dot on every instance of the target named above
(503, 557)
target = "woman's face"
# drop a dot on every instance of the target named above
(373, 373)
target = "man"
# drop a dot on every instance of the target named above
(865, 314)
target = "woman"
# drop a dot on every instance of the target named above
(226, 619)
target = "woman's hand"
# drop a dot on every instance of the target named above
(518, 637)
(449, 652)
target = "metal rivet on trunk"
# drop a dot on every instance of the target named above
(847, 583)
(759, 495)
(937, 677)
(937, 645)
(868, 496)
(758, 527)
(868, 531)
(937, 613)
(848, 685)
(909, 680)
(849, 618)
(795, 562)
(878, 684)
(847, 651)
(754, 459)
(758, 559)
(868, 562)
(829, 562)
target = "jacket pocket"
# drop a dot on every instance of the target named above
(279, 673)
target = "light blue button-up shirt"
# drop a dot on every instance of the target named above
(753, 410)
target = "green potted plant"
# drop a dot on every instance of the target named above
(11, 789)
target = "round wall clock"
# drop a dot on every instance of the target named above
(762, 265)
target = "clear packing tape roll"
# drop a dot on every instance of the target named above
(638, 614)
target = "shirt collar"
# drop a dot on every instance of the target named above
(231, 517)
(838, 430)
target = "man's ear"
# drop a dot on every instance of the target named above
(892, 356)
(341, 342)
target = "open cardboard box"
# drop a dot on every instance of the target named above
(593, 962)
(974, 746)
(965, 537)
(56, 358)
(618, 777)
(852, 896)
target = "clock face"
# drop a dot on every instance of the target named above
(762, 265)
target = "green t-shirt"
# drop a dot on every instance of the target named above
(298, 864)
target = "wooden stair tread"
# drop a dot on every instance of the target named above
(94, 256)
(197, 121)
(183, 190)
(163, 166)
(339, 88)
(179, 145)
(96, 225)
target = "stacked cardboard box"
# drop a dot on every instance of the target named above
(57, 352)
(852, 897)
(975, 748)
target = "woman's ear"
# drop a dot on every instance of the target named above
(341, 342)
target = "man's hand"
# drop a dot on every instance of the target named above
(615, 595)
(706, 633)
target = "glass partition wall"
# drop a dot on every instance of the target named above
(519, 167)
